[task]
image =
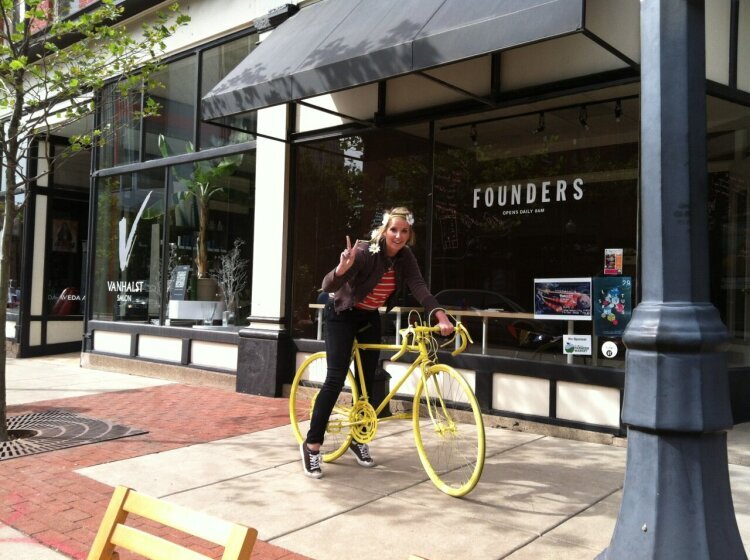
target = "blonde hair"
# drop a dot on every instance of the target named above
(388, 216)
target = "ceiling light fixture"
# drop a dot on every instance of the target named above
(540, 125)
(474, 135)
(583, 117)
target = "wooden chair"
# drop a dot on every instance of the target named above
(236, 539)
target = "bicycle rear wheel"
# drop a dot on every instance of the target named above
(449, 431)
(305, 388)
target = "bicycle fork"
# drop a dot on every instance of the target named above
(444, 425)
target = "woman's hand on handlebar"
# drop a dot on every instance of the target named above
(446, 327)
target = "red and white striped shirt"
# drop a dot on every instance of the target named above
(379, 293)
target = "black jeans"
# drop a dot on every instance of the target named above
(341, 330)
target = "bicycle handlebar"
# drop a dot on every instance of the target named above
(465, 338)
(404, 342)
(460, 330)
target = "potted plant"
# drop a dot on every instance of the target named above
(201, 185)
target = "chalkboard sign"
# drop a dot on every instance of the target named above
(179, 288)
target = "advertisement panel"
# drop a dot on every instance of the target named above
(566, 299)
(613, 305)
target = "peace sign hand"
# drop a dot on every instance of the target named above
(347, 258)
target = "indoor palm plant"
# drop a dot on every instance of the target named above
(202, 186)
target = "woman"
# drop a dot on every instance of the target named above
(368, 276)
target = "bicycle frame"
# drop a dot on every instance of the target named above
(420, 334)
(450, 449)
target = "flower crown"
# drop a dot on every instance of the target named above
(408, 217)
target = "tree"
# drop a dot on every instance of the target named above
(50, 71)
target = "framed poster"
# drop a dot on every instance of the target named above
(566, 299)
(613, 305)
(65, 236)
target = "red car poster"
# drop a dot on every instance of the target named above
(567, 299)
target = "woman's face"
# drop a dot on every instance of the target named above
(396, 235)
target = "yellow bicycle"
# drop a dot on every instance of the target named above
(447, 422)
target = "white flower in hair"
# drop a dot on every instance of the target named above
(409, 218)
(374, 248)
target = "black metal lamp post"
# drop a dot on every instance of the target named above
(676, 501)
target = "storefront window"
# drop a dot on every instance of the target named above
(209, 200)
(64, 266)
(131, 138)
(728, 146)
(120, 112)
(176, 96)
(212, 204)
(13, 300)
(343, 186)
(217, 63)
(535, 197)
(68, 228)
(514, 200)
(13, 297)
(72, 170)
(128, 252)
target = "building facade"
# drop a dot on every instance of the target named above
(511, 129)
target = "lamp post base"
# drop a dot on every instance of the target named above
(677, 501)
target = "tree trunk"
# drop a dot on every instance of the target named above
(8, 218)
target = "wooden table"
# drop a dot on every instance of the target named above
(484, 314)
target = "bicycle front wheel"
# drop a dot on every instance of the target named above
(305, 388)
(449, 430)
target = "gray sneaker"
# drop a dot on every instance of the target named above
(310, 461)
(362, 453)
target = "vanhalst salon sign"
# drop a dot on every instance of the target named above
(517, 198)
(126, 242)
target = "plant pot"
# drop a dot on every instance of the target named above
(207, 289)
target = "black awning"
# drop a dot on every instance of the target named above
(338, 44)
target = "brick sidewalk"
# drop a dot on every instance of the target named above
(42, 497)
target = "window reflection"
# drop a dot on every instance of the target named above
(120, 110)
(212, 209)
(728, 147)
(343, 185)
(64, 266)
(176, 96)
(131, 138)
(128, 252)
(217, 63)
(520, 198)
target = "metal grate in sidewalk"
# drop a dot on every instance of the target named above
(51, 430)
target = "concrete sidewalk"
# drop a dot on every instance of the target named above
(540, 497)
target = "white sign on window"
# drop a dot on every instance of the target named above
(577, 344)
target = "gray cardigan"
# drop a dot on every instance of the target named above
(367, 270)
